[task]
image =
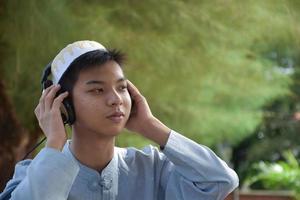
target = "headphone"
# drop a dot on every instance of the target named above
(66, 109)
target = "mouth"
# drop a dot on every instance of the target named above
(116, 117)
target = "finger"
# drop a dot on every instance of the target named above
(46, 91)
(50, 97)
(58, 100)
(37, 111)
(42, 98)
(134, 92)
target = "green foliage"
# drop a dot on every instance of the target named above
(200, 64)
(279, 129)
(282, 175)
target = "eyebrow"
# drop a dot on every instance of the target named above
(103, 82)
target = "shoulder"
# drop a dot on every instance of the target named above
(21, 168)
(148, 152)
(149, 155)
(19, 174)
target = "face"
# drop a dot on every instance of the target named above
(101, 100)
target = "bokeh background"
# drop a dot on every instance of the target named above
(225, 73)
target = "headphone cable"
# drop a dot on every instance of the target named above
(35, 146)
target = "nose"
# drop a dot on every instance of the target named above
(114, 99)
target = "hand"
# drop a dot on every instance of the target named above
(49, 117)
(140, 112)
(142, 121)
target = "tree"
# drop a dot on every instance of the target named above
(13, 138)
(200, 64)
(280, 127)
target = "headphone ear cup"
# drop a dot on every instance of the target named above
(67, 112)
(47, 84)
(66, 109)
(64, 113)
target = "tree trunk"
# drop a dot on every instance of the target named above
(13, 138)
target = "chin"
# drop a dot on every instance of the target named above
(113, 131)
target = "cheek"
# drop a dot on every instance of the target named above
(127, 103)
(78, 106)
(83, 105)
(78, 102)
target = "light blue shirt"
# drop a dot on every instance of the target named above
(183, 170)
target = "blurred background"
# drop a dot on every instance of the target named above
(225, 73)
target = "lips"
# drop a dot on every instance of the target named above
(116, 117)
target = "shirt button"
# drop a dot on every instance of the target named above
(106, 183)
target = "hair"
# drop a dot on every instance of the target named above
(86, 61)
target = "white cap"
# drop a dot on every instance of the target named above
(68, 54)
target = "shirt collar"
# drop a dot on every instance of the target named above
(107, 178)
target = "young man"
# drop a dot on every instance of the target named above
(89, 166)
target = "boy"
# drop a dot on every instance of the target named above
(99, 103)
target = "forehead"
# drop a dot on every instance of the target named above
(109, 71)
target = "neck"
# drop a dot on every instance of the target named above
(91, 150)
